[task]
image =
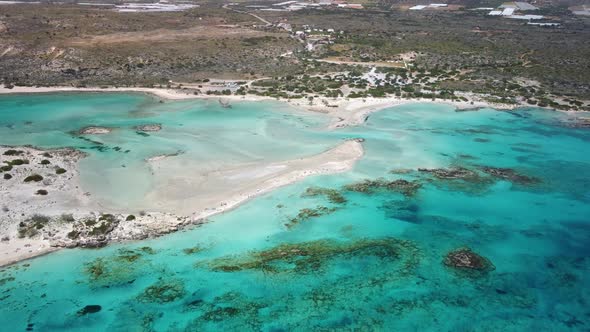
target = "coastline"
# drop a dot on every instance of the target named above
(248, 182)
(344, 111)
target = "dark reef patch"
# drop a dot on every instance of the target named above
(452, 173)
(89, 309)
(509, 174)
(333, 195)
(313, 256)
(163, 291)
(404, 210)
(468, 262)
(308, 213)
(118, 270)
(404, 187)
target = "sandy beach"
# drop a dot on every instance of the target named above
(344, 111)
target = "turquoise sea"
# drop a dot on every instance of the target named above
(351, 256)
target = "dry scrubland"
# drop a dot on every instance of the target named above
(93, 46)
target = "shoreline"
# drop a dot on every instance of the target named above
(249, 182)
(344, 111)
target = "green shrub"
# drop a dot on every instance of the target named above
(68, 217)
(73, 235)
(34, 177)
(41, 192)
(12, 152)
(107, 217)
(17, 162)
(101, 229)
(32, 225)
(45, 162)
(60, 171)
(6, 168)
(90, 222)
(130, 217)
(7, 176)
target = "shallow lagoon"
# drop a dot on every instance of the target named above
(373, 262)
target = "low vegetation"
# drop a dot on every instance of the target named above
(33, 178)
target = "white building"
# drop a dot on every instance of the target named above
(508, 11)
(526, 17)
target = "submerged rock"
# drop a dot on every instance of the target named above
(407, 188)
(119, 269)
(451, 173)
(401, 171)
(308, 213)
(94, 130)
(313, 256)
(509, 174)
(163, 291)
(333, 195)
(468, 261)
(404, 210)
(149, 127)
(578, 123)
(89, 309)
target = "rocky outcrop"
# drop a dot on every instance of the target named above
(149, 127)
(465, 260)
(96, 231)
(451, 173)
(509, 175)
(89, 309)
(94, 130)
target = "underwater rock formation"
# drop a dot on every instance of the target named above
(94, 130)
(307, 213)
(149, 127)
(407, 188)
(89, 309)
(404, 210)
(577, 123)
(451, 173)
(464, 259)
(163, 291)
(509, 174)
(333, 195)
(117, 270)
(312, 256)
